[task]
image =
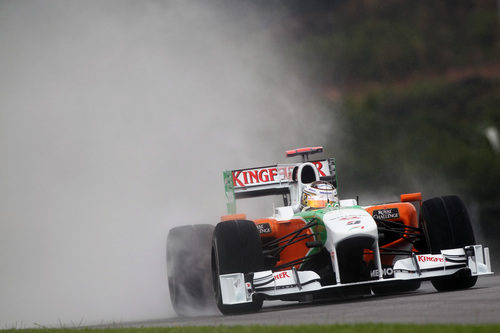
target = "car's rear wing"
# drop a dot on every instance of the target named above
(272, 180)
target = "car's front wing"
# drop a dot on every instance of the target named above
(239, 288)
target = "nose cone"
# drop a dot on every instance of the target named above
(349, 222)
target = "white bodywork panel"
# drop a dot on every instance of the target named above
(348, 202)
(234, 289)
(348, 222)
(283, 213)
(345, 223)
(434, 265)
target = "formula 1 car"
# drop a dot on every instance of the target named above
(307, 255)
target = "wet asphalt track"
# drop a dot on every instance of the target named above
(478, 305)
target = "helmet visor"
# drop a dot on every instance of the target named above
(317, 203)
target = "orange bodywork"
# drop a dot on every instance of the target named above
(282, 228)
(233, 217)
(407, 216)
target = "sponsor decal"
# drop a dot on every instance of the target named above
(386, 214)
(281, 275)
(386, 272)
(272, 175)
(319, 166)
(430, 259)
(347, 218)
(264, 228)
(257, 176)
(355, 224)
(356, 227)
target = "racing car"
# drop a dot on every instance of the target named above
(315, 249)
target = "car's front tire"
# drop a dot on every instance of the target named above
(236, 248)
(448, 226)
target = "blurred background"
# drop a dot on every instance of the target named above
(416, 88)
(118, 117)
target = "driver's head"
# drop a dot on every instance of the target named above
(319, 194)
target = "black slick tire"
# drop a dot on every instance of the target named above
(236, 248)
(447, 226)
(189, 270)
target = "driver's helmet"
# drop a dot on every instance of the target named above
(319, 194)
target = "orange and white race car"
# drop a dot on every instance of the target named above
(316, 246)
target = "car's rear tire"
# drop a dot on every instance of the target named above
(236, 248)
(447, 225)
(189, 269)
